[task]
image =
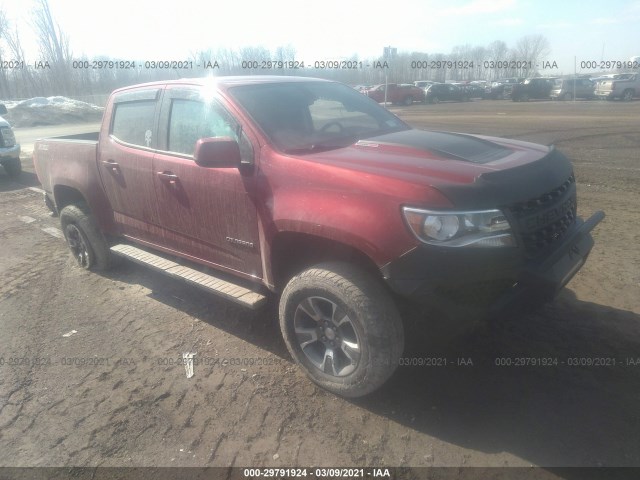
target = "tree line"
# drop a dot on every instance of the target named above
(58, 72)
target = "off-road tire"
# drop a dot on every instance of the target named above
(13, 167)
(77, 219)
(371, 314)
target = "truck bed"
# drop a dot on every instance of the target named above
(85, 137)
(64, 160)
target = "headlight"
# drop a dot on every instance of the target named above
(8, 138)
(485, 228)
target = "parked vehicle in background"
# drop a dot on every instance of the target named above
(423, 83)
(612, 76)
(495, 90)
(446, 92)
(474, 90)
(303, 189)
(362, 88)
(570, 88)
(397, 94)
(623, 88)
(9, 149)
(537, 88)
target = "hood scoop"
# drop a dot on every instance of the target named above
(456, 146)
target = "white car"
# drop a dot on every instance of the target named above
(9, 149)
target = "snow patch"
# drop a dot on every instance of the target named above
(54, 110)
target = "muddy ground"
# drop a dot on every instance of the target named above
(112, 394)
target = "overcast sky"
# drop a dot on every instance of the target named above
(333, 29)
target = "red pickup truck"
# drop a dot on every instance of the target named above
(311, 191)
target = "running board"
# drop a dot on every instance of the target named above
(209, 283)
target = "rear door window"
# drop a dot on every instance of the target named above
(133, 122)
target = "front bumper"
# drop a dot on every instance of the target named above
(489, 279)
(10, 153)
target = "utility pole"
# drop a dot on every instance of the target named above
(388, 54)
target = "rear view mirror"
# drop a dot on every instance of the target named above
(220, 152)
(3, 109)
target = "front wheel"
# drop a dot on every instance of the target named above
(627, 95)
(13, 167)
(408, 100)
(340, 324)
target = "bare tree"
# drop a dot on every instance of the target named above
(54, 47)
(4, 27)
(532, 48)
(23, 81)
(497, 52)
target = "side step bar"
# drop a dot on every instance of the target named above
(209, 283)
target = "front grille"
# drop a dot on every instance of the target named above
(7, 138)
(544, 220)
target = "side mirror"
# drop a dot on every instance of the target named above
(3, 109)
(220, 152)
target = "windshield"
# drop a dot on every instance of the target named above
(306, 117)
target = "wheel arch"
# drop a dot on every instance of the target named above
(70, 193)
(292, 252)
(64, 195)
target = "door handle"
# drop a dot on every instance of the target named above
(110, 164)
(169, 177)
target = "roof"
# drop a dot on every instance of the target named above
(228, 81)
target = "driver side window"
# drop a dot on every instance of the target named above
(191, 120)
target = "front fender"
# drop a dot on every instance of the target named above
(369, 225)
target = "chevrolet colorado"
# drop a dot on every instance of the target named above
(308, 190)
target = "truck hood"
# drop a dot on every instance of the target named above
(471, 170)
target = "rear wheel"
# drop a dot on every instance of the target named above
(627, 95)
(85, 241)
(342, 327)
(13, 167)
(408, 100)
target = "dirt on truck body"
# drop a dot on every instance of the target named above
(311, 191)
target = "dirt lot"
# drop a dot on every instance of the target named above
(112, 394)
